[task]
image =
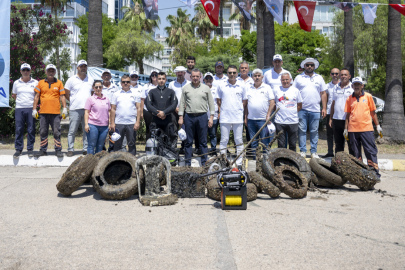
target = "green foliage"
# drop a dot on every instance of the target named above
(207, 63)
(226, 46)
(7, 120)
(136, 14)
(181, 28)
(202, 22)
(65, 66)
(248, 45)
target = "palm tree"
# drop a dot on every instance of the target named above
(394, 120)
(260, 7)
(348, 61)
(244, 24)
(268, 38)
(221, 18)
(136, 12)
(180, 28)
(202, 21)
(95, 34)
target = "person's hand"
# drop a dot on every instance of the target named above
(34, 114)
(136, 126)
(161, 115)
(330, 122)
(180, 121)
(346, 134)
(210, 123)
(177, 110)
(112, 127)
(379, 130)
(323, 113)
(87, 128)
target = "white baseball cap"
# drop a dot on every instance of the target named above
(179, 69)
(133, 72)
(154, 70)
(357, 80)
(208, 74)
(277, 57)
(81, 62)
(25, 65)
(50, 66)
(115, 136)
(106, 71)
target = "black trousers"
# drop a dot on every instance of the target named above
(196, 124)
(365, 139)
(291, 131)
(196, 141)
(23, 116)
(54, 121)
(168, 127)
(338, 129)
(129, 132)
(148, 117)
(329, 135)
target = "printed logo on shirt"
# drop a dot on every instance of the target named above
(55, 88)
(364, 100)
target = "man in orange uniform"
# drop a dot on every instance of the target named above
(50, 91)
(360, 109)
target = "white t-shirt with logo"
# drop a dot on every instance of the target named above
(287, 100)
(146, 88)
(273, 78)
(80, 91)
(232, 97)
(177, 88)
(329, 91)
(258, 101)
(340, 96)
(247, 82)
(109, 91)
(310, 89)
(25, 93)
(214, 93)
(125, 112)
(217, 81)
(139, 90)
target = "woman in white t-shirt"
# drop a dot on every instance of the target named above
(289, 100)
(23, 93)
(147, 116)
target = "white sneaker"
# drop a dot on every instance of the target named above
(303, 154)
(314, 155)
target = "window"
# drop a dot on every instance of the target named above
(226, 13)
(323, 13)
(325, 31)
(236, 30)
(166, 61)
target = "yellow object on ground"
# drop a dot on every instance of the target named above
(231, 200)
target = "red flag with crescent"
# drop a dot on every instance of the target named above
(212, 9)
(399, 8)
(305, 13)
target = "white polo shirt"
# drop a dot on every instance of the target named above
(258, 101)
(329, 91)
(80, 91)
(310, 89)
(214, 93)
(247, 82)
(139, 90)
(232, 97)
(125, 112)
(287, 100)
(146, 88)
(109, 91)
(273, 78)
(340, 96)
(25, 93)
(177, 88)
(217, 81)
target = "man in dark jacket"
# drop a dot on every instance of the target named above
(162, 102)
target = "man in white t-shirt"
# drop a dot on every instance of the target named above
(77, 90)
(219, 74)
(24, 94)
(135, 86)
(232, 101)
(125, 115)
(212, 131)
(272, 77)
(312, 88)
(289, 100)
(335, 74)
(341, 92)
(260, 104)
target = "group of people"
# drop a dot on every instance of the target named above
(199, 104)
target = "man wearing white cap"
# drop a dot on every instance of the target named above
(272, 77)
(78, 89)
(24, 94)
(312, 88)
(136, 86)
(212, 131)
(51, 92)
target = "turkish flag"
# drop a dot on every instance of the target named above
(212, 9)
(305, 13)
(399, 8)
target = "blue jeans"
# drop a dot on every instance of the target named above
(308, 120)
(96, 138)
(253, 127)
(212, 133)
(76, 118)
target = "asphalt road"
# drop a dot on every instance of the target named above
(342, 229)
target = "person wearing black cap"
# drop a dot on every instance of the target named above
(219, 74)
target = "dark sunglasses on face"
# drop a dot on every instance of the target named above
(153, 75)
(309, 65)
(134, 76)
(25, 69)
(334, 74)
(232, 73)
(98, 87)
(125, 82)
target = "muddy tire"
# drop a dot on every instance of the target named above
(354, 171)
(214, 191)
(99, 155)
(77, 175)
(324, 172)
(264, 185)
(113, 177)
(221, 160)
(296, 191)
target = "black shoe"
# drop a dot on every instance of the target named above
(59, 154)
(69, 154)
(84, 153)
(327, 155)
(181, 152)
(30, 153)
(195, 152)
(41, 153)
(17, 154)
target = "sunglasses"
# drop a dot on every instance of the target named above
(334, 74)
(134, 76)
(25, 69)
(98, 87)
(309, 65)
(125, 82)
(232, 73)
(153, 75)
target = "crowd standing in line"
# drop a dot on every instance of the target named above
(199, 104)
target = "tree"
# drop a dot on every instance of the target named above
(137, 14)
(244, 24)
(224, 46)
(95, 34)
(268, 38)
(207, 63)
(394, 119)
(260, 7)
(180, 28)
(202, 22)
(349, 49)
(65, 61)
(221, 19)
(248, 44)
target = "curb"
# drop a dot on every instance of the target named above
(383, 164)
(47, 161)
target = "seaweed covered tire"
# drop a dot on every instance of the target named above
(214, 191)
(115, 188)
(351, 169)
(296, 191)
(264, 185)
(325, 173)
(77, 174)
(282, 156)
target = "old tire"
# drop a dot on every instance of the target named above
(297, 191)
(264, 185)
(354, 171)
(76, 176)
(214, 191)
(107, 184)
(324, 172)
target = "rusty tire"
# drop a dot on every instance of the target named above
(264, 185)
(296, 191)
(325, 173)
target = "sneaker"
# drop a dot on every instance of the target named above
(84, 153)
(30, 153)
(41, 153)
(17, 154)
(314, 155)
(303, 154)
(327, 155)
(59, 154)
(69, 154)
